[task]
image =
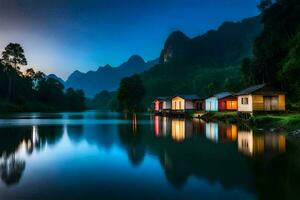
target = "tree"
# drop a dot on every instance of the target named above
(74, 99)
(229, 85)
(130, 93)
(211, 88)
(50, 91)
(30, 73)
(13, 55)
(273, 60)
(265, 4)
(102, 100)
(291, 67)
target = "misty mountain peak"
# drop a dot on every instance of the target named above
(108, 77)
(135, 59)
(175, 46)
(177, 35)
(107, 66)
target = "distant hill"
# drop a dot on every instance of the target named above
(205, 64)
(107, 77)
(56, 78)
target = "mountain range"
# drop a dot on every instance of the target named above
(204, 64)
(107, 77)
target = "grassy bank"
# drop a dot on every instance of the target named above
(285, 121)
(230, 117)
(282, 121)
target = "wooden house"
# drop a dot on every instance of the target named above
(221, 102)
(162, 104)
(261, 98)
(185, 103)
(228, 103)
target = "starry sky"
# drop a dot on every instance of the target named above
(60, 36)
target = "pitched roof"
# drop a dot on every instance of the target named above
(188, 97)
(223, 95)
(163, 98)
(251, 89)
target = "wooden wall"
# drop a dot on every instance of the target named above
(258, 102)
(281, 104)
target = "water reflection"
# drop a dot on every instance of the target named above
(248, 143)
(212, 131)
(17, 142)
(189, 153)
(259, 144)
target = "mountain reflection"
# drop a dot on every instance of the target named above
(231, 155)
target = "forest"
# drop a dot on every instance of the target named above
(26, 90)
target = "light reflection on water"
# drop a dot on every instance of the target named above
(248, 143)
(66, 155)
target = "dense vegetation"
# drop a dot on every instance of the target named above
(202, 65)
(103, 100)
(130, 94)
(225, 60)
(30, 90)
(276, 50)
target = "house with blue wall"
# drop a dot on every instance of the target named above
(212, 103)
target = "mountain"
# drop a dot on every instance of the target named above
(56, 78)
(107, 77)
(204, 64)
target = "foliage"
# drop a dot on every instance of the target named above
(275, 50)
(202, 65)
(291, 68)
(286, 121)
(131, 93)
(102, 100)
(14, 55)
(74, 99)
(32, 91)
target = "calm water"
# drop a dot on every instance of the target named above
(104, 155)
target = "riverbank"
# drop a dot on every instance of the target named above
(229, 117)
(278, 121)
(284, 121)
(32, 106)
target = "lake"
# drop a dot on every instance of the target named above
(93, 155)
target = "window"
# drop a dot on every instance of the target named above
(245, 100)
(179, 104)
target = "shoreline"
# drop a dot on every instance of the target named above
(272, 121)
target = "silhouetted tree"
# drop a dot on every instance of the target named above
(74, 99)
(13, 57)
(131, 93)
(274, 60)
(50, 91)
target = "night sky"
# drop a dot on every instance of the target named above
(60, 36)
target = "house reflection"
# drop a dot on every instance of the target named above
(178, 129)
(260, 144)
(161, 126)
(220, 132)
(212, 131)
